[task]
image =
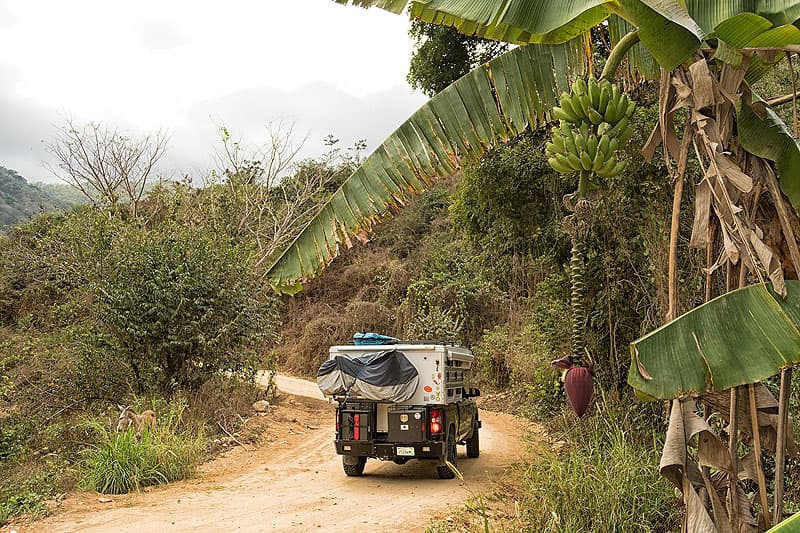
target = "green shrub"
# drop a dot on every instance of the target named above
(519, 352)
(14, 432)
(449, 295)
(124, 462)
(28, 496)
(27, 502)
(181, 306)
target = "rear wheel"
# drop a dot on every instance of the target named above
(353, 466)
(473, 443)
(444, 471)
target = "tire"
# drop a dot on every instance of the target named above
(353, 466)
(444, 471)
(474, 442)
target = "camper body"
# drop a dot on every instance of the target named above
(438, 413)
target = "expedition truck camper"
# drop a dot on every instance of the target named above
(401, 400)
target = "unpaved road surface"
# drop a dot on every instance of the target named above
(293, 481)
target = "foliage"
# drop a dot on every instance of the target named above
(19, 200)
(46, 265)
(263, 195)
(603, 480)
(761, 324)
(518, 353)
(449, 296)
(670, 32)
(180, 306)
(28, 497)
(124, 462)
(442, 55)
(509, 206)
(402, 236)
(490, 104)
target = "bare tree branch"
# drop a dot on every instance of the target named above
(103, 163)
(274, 193)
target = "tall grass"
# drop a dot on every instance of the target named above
(125, 462)
(606, 480)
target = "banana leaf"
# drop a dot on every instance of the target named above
(665, 26)
(489, 105)
(768, 137)
(790, 525)
(670, 29)
(749, 30)
(741, 337)
(709, 15)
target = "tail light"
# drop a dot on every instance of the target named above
(356, 428)
(436, 421)
(338, 425)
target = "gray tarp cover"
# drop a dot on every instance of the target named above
(386, 376)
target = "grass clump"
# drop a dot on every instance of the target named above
(125, 462)
(606, 479)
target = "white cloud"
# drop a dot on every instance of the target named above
(6, 18)
(185, 66)
(160, 35)
(316, 110)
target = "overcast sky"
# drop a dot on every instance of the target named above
(189, 67)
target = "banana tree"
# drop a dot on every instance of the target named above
(706, 54)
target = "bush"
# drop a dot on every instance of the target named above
(606, 480)
(182, 306)
(124, 462)
(519, 352)
(48, 262)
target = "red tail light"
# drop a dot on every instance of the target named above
(338, 414)
(356, 429)
(436, 421)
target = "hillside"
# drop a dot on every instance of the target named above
(20, 200)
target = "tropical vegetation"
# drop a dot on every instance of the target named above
(709, 56)
(156, 295)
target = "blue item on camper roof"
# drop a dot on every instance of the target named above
(373, 338)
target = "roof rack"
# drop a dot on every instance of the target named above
(403, 341)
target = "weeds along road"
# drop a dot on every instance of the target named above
(293, 481)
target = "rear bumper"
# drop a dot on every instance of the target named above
(388, 450)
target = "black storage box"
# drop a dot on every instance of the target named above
(407, 425)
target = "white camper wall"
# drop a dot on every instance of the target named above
(430, 360)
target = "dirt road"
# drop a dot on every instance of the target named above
(294, 481)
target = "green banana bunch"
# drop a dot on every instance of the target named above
(594, 121)
(593, 101)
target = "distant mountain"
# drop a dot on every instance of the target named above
(20, 200)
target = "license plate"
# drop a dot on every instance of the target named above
(405, 450)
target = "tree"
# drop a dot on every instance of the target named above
(739, 143)
(105, 164)
(442, 55)
(269, 193)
